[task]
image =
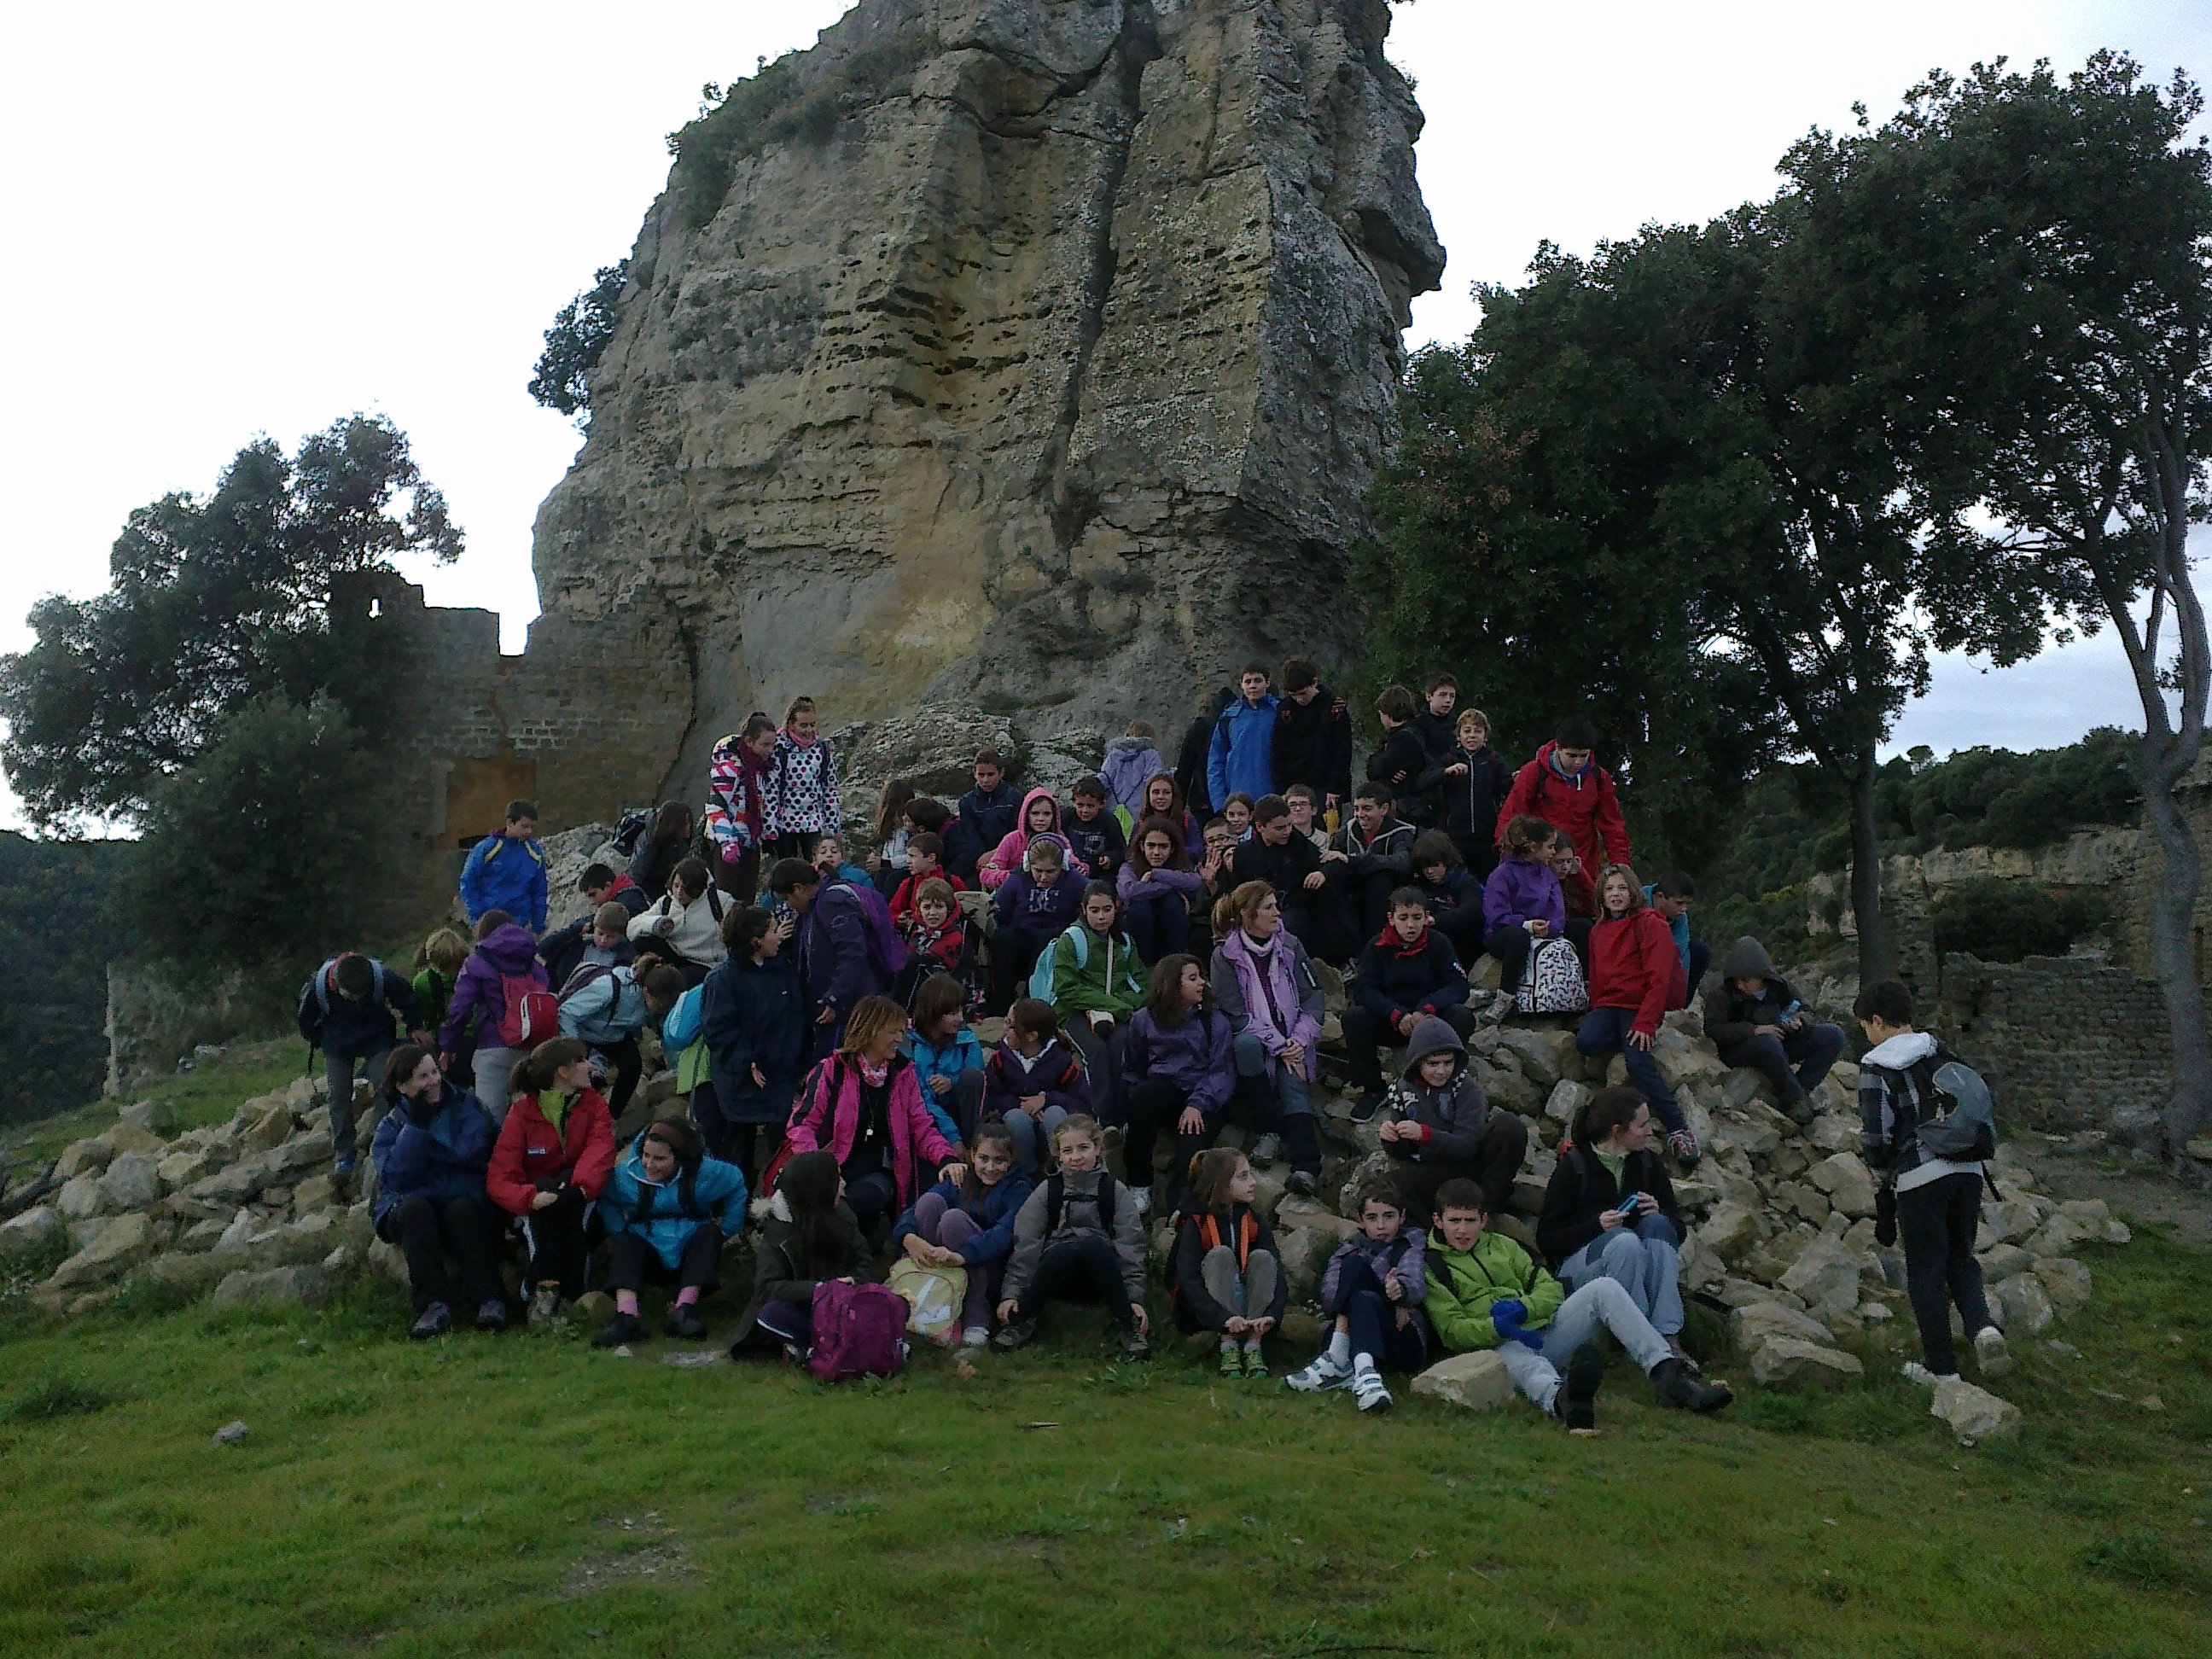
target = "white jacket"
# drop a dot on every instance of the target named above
(693, 931)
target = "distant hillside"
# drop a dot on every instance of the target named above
(56, 941)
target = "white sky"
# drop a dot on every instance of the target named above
(238, 218)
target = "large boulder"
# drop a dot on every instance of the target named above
(188, 1270)
(1794, 1362)
(2022, 1306)
(1825, 1276)
(2066, 1281)
(157, 1117)
(82, 1197)
(308, 1286)
(1974, 1414)
(35, 1230)
(133, 1181)
(1730, 1231)
(1545, 1054)
(122, 1245)
(1567, 1099)
(84, 1157)
(1477, 1382)
(129, 1138)
(1842, 1176)
(1754, 1321)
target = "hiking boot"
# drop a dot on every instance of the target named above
(1320, 1376)
(492, 1315)
(1682, 1355)
(1267, 1148)
(1990, 1352)
(1365, 1108)
(683, 1322)
(1135, 1345)
(1232, 1361)
(433, 1320)
(1255, 1362)
(544, 1306)
(623, 1327)
(976, 1336)
(1575, 1405)
(1677, 1388)
(341, 1173)
(1800, 1110)
(1684, 1146)
(1014, 1335)
(1367, 1389)
(1915, 1372)
(1301, 1181)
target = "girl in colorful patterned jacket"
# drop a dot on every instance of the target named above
(799, 800)
(737, 777)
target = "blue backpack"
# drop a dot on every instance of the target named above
(1041, 975)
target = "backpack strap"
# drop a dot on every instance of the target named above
(1056, 1192)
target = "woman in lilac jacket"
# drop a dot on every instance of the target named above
(1180, 1068)
(1265, 983)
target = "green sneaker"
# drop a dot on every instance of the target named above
(1255, 1362)
(1232, 1361)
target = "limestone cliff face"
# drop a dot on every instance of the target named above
(1027, 356)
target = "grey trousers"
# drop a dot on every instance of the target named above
(1240, 1293)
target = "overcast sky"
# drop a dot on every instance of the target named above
(233, 218)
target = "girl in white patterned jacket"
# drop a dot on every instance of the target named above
(799, 797)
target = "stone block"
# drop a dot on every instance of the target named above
(123, 1243)
(1682, 1061)
(1567, 1099)
(1779, 1362)
(84, 1157)
(309, 1287)
(2005, 1222)
(2022, 1306)
(35, 1230)
(82, 1197)
(1842, 1176)
(1974, 1414)
(2066, 1281)
(191, 1271)
(133, 1181)
(1752, 1322)
(267, 1127)
(385, 1262)
(2003, 1262)
(1773, 1259)
(1476, 1381)
(241, 1183)
(1515, 1093)
(1730, 1231)
(1543, 1051)
(316, 1193)
(157, 1117)
(1826, 1276)
(297, 1156)
(1834, 1132)
(201, 1236)
(129, 1138)
(187, 1167)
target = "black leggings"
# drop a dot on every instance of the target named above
(1936, 1223)
(426, 1228)
(1086, 1269)
(557, 1244)
(1155, 1105)
(631, 1261)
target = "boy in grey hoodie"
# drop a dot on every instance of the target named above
(1437, 1126)
(1932, 1204)
(1080, 1230)
(1756, 1019)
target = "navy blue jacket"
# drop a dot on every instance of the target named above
(1395, 978)
(981, 822)
(752, 1014)
(993, 1212)
(444, 1159)
(349, 1027)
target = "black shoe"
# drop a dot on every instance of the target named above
(1365, 1108)
(683, 1321)
(623, 1327)
(492, 1315)
(1135, 1346)
(1577, 1405)
(1675, 1387)
(1012, 1336)
(433, 1320)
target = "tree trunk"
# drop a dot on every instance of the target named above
(2173, 920)
(1866, 877)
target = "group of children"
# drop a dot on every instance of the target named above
(1153, 945)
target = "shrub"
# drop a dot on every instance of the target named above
(576, 342)
(1999, 921)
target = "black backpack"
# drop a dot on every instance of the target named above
(1055, 1193)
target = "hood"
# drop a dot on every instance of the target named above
(1548, 758)
(1747, 959)
(1022, 818)
(1430, 1035)
(511, 949)
(1905, 1048)
(1129, 745)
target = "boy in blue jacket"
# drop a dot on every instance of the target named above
(1240, 759)
(507, 872)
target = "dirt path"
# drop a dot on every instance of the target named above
(2138, 1197)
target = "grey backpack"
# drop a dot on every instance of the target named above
(1957, 1120)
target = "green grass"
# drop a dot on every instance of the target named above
(208, 1094)
(526, 1495)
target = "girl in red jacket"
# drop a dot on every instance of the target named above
(863, 1106)
(1634, 970)
(555, 1152)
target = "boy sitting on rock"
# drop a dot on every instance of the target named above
(1407, 971)
(1755, 1020)
(1440, 1128)
(1485, 1292)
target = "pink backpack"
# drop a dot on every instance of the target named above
(858, 1331)
(532, 1013)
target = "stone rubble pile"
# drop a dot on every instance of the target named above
(1781, 1228)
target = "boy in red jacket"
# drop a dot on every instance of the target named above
(1567, 787)
(555, 1152)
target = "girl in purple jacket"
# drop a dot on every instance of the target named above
(1179, 1066)
(1154, 884)
(1522, 900)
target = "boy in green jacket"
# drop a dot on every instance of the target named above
(1485, 1292)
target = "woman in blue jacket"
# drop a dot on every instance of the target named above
(752, 1017)
(967, 1220)
(430, 1153)
(667, 1208)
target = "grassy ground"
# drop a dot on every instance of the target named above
(525, 1495)
(209, 1094)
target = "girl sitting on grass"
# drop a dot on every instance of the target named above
(809, 1236)
(1077, 1238)
(1227, 1274)
(967, 1221)
(668, 1206)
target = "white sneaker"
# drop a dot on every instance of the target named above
(1266, 1149)
(1990, 1350)
(1916, 1373)
(1141, 1198)
(1367, 1389)
(976, 1336)
(1321, 1376)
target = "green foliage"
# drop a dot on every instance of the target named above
(58, 935)
(779, 104)
(214, 602)
(58, 1397)
(251, 854)
(1998, 920)
(576, 342)
(1995, 797)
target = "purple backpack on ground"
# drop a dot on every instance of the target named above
(859, 1330)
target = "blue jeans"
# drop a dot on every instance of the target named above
(1160, 926)
(1605, 1031)
(1293, 1097)
(337, 1081)
(1599, 1304)
(1033, 1135)
(1811, 1049)
(1646, 1261)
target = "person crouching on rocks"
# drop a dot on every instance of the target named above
(668, 1206)
(430, 1154)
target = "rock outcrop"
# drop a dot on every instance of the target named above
(1026, 356)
